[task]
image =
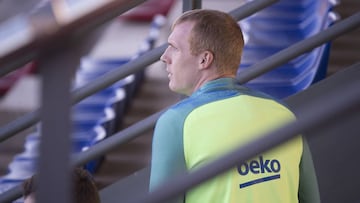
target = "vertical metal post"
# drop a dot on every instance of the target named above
(54, 163)
(191, 4)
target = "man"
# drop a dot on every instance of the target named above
(85, 190)
(202, 59)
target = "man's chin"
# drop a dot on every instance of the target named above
(172, 88)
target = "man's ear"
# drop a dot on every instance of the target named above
(206, 59)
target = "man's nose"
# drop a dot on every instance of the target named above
(163, 58)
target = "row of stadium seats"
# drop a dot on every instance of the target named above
(94, 118)
(278, 27)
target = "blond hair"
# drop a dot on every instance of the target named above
(217, 32)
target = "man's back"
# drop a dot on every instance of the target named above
(218, 118)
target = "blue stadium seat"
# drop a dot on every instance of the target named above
(84, 137)
(116, 96)
(94, 112)
(277, 27)
(91, 69)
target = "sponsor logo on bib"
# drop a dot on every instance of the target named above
(260, 166)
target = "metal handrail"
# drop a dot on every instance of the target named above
(250, 8)
(108, 79)
(343, 26)
(307, 121)
(342, 101)
(60, 31)
(83, 92)
(130, 133)
(33, 117)
(349, 24)
(266, 64)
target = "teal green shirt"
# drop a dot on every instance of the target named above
(214, 120)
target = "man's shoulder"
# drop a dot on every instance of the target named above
(182, 108)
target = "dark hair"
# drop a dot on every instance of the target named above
(85, 187)
(85, 190)
(29, 186)
(217, 32)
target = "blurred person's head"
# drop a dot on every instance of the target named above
(29, 190)
(204, 45)
(85, 190)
